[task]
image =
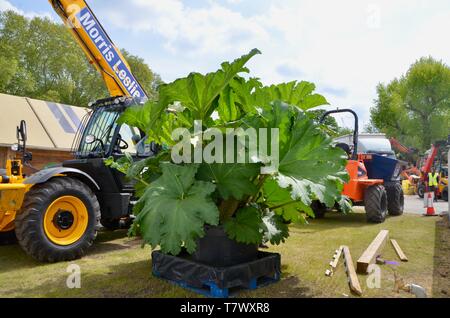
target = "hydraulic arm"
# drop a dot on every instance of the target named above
(99, 48)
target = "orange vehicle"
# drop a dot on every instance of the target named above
(379, 195)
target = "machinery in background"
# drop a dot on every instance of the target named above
(399, 146)
(407, 152)
(12, 189)
(374, 178)
(410, 174)
(370, 144)
(435, 157)
(443, 183)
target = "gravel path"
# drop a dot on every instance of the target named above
(414, 205)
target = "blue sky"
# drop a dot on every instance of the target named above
(345, 47)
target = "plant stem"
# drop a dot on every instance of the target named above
(227, 209)
(282, 205)
(260, 184)
(142, 180)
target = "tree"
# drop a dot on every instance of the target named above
(40, 59)
(149, 80)
(415, 108)
(370, 129)
(342, 131)
(330, 124)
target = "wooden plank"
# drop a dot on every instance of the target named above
(399, 251)
(353, 281)
(372, 252)
(336, 258)
(334, 262)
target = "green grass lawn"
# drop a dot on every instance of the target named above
(117, 266)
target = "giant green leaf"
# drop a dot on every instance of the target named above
(199, 93)
(293, 93)
(274, 228)
(228, 110)
(309, 165)
(283, 203)
(137, 116)
(244, 90)
(246, 226)
(231, 180)
(175, 208)
(151, 119)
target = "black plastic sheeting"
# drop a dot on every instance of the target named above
(183, 269)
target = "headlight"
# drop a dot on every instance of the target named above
(15, 147)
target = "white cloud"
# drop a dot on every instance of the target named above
(6, 5)
(345, 47)
(234, 1)
(206, 30)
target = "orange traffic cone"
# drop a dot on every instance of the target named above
(430, 208)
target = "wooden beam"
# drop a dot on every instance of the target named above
(336, 257)
(353, 281)
(399, 251)
(372, 252)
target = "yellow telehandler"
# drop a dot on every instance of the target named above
(56, 212)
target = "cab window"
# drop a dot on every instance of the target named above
(129, 135)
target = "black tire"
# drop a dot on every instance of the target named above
(444, 195)
(396, 199)
(7, 238)
(30, 231)
(375, 201)
(319, 209)
(421, 190)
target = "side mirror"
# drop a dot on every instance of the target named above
(22, 132)
(89, 139)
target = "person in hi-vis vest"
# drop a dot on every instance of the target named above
(433, 182)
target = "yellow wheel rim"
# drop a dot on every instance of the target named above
(9, 227)
(65, 220)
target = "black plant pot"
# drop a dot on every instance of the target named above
(216, 249)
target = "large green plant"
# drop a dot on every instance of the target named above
(253, 204)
